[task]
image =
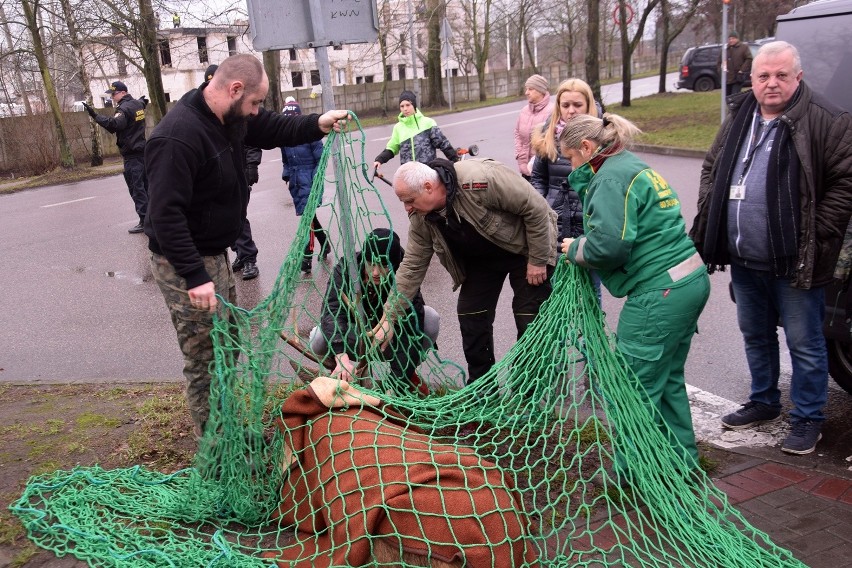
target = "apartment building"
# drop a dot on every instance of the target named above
(185, 53)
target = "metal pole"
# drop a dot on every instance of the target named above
(347, 230)
(413, 45)
(508, 48)
(724, 77)
(445, 24)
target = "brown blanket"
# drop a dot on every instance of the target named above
(357, 472)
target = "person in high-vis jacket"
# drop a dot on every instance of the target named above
(128, 125)
(415, 137)
(635, 238)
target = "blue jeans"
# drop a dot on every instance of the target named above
(761, 300)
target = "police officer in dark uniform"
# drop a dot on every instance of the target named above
(128, 124)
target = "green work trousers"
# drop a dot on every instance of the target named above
(655, 330)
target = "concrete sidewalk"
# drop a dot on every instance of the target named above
(803, 509)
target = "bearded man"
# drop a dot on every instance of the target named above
(198, 197)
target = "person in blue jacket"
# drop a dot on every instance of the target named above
(300, 167)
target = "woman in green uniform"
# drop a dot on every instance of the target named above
(635, 238)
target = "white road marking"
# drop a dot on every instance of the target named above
(707, 410)
(67, 202)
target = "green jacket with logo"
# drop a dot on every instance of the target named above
(634, 230)
(501, 205)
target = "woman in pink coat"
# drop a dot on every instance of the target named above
(538, 109)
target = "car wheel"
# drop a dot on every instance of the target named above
(840, 363)
(704, 84)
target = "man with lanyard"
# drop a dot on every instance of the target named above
(775, 199)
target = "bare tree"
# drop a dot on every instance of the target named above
(477, 36)
(628, 45)
(563, 25)
(272, 65)
(77, 44)
(593, 73)
(672, 26)
(19, 79)
(31, 10)
(435, 11)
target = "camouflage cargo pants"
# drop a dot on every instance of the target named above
(193, 327)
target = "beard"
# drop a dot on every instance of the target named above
(236, 123)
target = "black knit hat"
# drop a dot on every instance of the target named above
(382, 246)
(208, 74)
(410, 97)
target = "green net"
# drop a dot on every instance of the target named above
(551, 459)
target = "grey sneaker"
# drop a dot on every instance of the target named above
(751, 414)
(803, 436)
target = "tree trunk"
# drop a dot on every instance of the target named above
(19, 79)
(626, 54)
(77, 45)
(31, 8)
(593, 42)
(150, 51)
(272, 64)
(435, 96)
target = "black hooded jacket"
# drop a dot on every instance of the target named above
(340, 318)
(197, 190)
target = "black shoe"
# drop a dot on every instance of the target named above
(238, 264)
(250, 270)
(306, 264)
(803, 437)
(751, 414)
(137, 229)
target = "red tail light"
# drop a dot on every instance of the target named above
(684, 71)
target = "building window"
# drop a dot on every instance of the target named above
(341, 76)
(296, 76)
(455, 72)
(388, 72)
(165, 53)
(315, 77)
(232, 45)
(401, 69)
(402, 44)
(122, 63)
(168, 98)
(338, 47)
(202, 50)
(363, 79)
(292, 54)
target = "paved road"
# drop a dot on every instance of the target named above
(79, 303)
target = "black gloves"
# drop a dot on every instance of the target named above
(251, 174)
(144, 100)
(90, 110)
(286, 178)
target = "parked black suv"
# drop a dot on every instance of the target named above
(698, 68)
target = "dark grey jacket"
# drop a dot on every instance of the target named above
(822, 136)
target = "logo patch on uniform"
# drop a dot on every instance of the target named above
(475, 185)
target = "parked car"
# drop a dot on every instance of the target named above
(699, 69)
(822, 32)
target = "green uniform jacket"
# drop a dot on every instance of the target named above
(634, 230)
(501, 205)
